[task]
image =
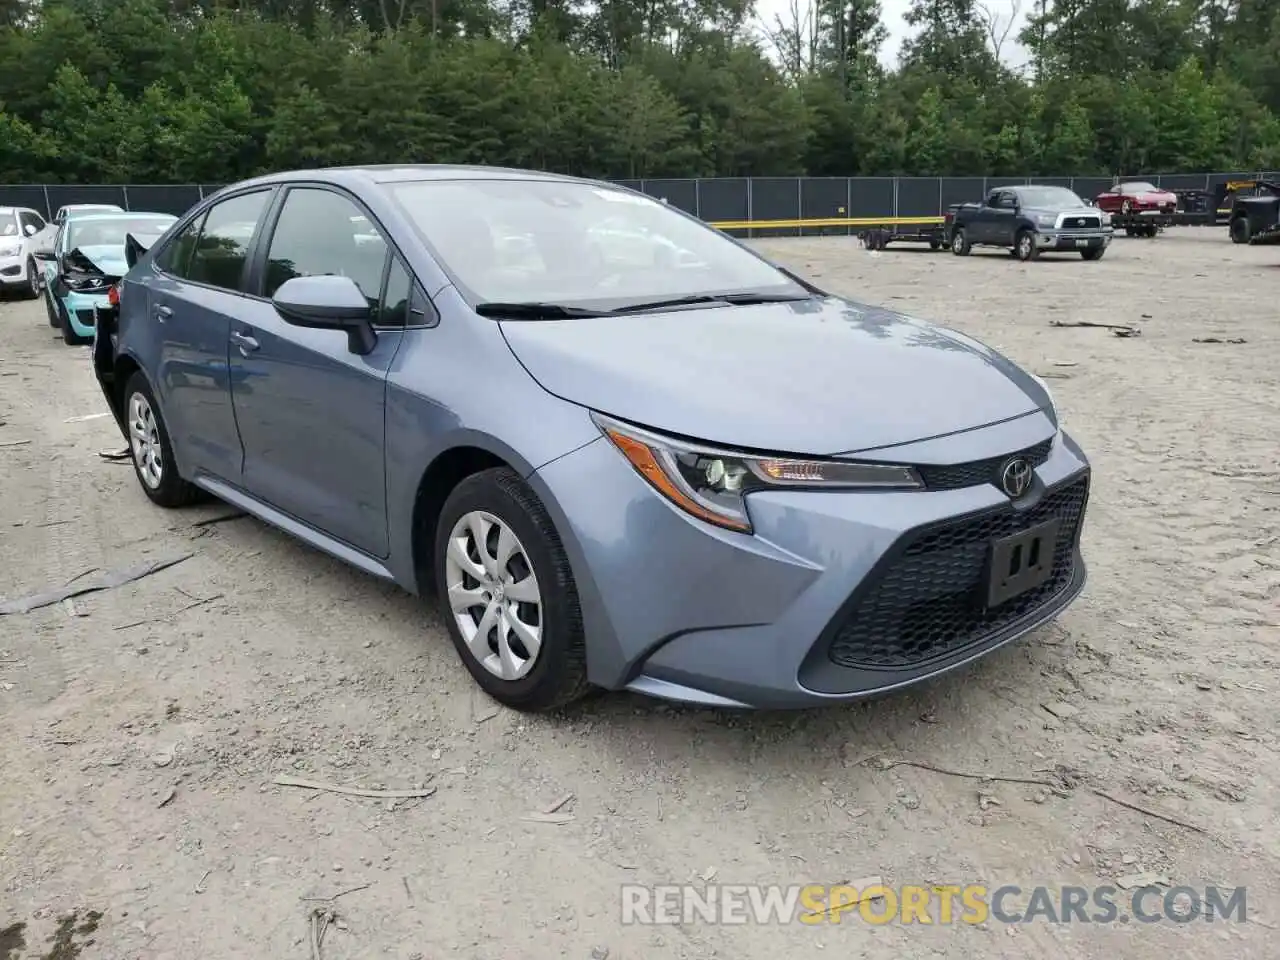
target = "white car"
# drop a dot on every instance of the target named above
(20, 229)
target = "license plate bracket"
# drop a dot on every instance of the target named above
(1021, 562)
(1082, 242)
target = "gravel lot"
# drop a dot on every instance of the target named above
(137, 760)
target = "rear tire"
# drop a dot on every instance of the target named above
(960, 244)
(1024, 246)
(491, 512)
(152, 453)
(1240, 230)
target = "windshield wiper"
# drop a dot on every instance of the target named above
(732, 299)
(535, 311)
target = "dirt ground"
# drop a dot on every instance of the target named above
(141, 733)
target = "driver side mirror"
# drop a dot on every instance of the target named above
(328, 303)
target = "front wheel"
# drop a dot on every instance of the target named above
(960, 245)
(1093, 253)
(32, 289)
(151, 449)
(69, 335)
(1240, 230)
(508, 595)
(1024, 245)
(49, 309)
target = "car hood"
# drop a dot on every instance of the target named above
(107, 259)
(815, 377)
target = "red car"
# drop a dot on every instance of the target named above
(1137, 197)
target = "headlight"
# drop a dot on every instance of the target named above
(712, 484)
(1052, 403)
(1046, 219)
(10, 249)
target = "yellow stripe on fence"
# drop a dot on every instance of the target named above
(822, 222)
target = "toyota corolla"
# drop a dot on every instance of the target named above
(691, 474)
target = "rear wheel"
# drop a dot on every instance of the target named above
(508, 595)
(960, 245)
(152, 452)
(1024, 245)
(1240, 230)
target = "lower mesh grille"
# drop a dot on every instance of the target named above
(925, 601)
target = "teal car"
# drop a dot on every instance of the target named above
(86, 260)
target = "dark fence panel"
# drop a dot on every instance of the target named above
(1182, 181)
(62, 194)
(919, 197)
(871, 197)
(961, 190)
(1089, 187)
(176, 200)
(678, 193)
(775, 198)
(721, 200)
(824, 198)
(714, 200)
(25, 195)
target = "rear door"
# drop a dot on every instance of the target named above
(310, 411)
(196, 294)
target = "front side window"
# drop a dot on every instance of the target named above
(552, 241)
(220, 253)
(31, 220)
(320, 232)
(394, 310)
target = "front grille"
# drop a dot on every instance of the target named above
(1082, 222)
(924, 600)
(977, 472)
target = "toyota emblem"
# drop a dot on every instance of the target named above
(1015, 477)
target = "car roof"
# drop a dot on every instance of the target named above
(123, 215)
(407, 173)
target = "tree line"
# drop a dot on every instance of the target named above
(181, 91)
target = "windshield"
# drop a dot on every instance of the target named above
(1138, 188)
(9, 223)
(1053, 197)
(110, 233)
(548, 241)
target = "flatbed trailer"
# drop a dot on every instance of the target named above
(936, 234)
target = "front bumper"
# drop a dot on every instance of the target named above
(1073, 239)
(13, 271)
(837, 596)
(80, 309)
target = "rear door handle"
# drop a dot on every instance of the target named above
(163, 313)
(245, 342)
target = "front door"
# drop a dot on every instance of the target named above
(310, 411)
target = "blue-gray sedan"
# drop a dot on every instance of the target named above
(623, 449)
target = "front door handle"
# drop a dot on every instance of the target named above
(245, 342)
(163, 313)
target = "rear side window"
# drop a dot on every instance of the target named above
(175, 259)
(223, 247)
(320, 232)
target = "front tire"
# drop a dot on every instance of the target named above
(1024, 245)
(48, 308)
(507, 593)
(960, 244)
(151, 450)
(1093, 253)
(1240, 230)
(69, 335)
(33, 281)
